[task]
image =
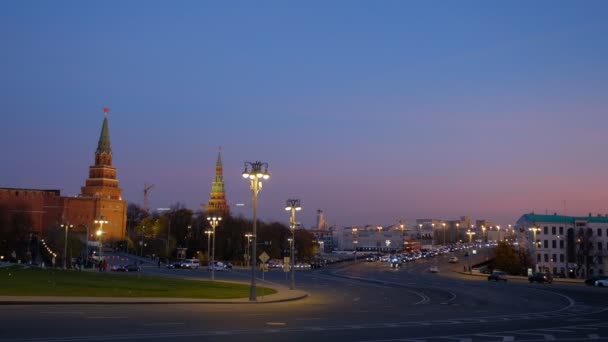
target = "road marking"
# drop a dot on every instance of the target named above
(61, 312)
(276, 323)
(107, 317)
(593, 336)
(546, 337)
(504, 338)
(556, 330)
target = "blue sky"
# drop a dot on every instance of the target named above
(373, 111)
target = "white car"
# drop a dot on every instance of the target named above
(434, 269)
(601, 282)
(218, 266)
(190, 263)
(453, 259)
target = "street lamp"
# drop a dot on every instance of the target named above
(534, 230)
(443, 224)
(255, 179)
(420, 235)
(247, 255)
(293, 205)
(379, 233)
(209, 232)
(470, 234)
(402, 227)
(213, 221)
(483, 235)
(498, 232)
(99, 232)
(354, 232)
(65, 243)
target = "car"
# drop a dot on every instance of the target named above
(454, 259)
(176, 264)
(434, 269)
(498, 275)
(132, 268)
(118, 268)
(591, 281)
(190, 263)
(601, 282)
(541, 277)
(218, 266)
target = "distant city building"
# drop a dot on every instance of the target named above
(217, 204)
(321, 222)
(575, 246)
(100, 198)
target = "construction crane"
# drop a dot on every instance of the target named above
(147, 188)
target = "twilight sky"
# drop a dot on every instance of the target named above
(373, 111)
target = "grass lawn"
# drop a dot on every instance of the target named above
(21, 281)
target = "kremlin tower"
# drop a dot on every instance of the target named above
(217, 200)
(102, 186)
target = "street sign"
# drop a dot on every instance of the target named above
(264, 257)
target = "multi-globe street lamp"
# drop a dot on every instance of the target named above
(65, 243)
(213, 221)
(99, 233)
(292, 205)
(255, 176)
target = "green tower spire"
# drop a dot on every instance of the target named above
(104, 139)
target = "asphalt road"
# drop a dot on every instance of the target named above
(368, 302)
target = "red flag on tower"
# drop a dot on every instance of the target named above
(106, 110)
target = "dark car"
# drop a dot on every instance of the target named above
(541, 278)
(132, 268)
(176, 264)
(498, 275)
(591, 281)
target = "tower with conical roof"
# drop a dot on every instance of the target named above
(102, 187)
(217, 200)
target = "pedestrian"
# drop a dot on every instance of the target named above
(158, 262)
(105, 265)
(100, 265)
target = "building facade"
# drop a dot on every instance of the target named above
(100, 199)
(573, 246)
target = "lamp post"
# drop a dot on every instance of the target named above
(293, 205)
(247, 255)
(433, 236)
(209, 232)
(354, 232)
(443, 224)
(99, 232)
(420, 235)
(255, 180)
(402, 227)
(470, 234)
(213, 221)
(483, 233)
(534, 230)
(65, 243)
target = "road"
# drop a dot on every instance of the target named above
(367, 302)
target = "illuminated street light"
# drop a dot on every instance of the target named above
(209, 232)
(255, 178)
(213, 221)
(293, 205)
(355, 242)
(443, 224)
(99, 232)
(65, 243)
(534, 230)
